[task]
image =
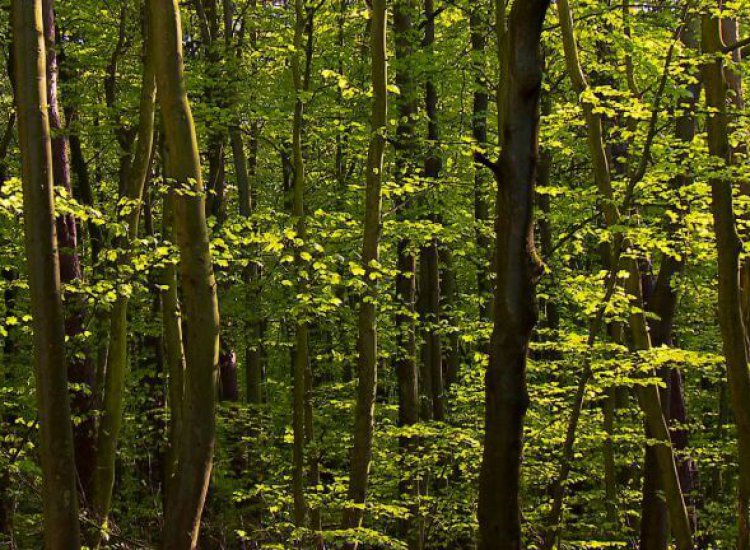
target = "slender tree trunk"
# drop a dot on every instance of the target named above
(729, 246)
(405, 362)
(517, 269)
(9, 275)
(367, 363)
(482, 183)
(449, 307)
(302, 415)
(663, 303)
(174, 352)
(648, 396)
(429, 262)
(301, 354)
(59, 493)
(246, 171)
(187, 489)
(81, 371)
(114, 382)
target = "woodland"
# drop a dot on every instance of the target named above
(374, 274)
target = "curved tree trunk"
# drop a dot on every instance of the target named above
(648, 396)
(187, 488)
(114, 382)
(663, 303)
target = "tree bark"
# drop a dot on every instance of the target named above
(481, 104)
(187, 489)
(81, 370)
(517, 269)
(733, 330)
(367, 363)
(429, 262)
(114, 382)
(59, 493)
(405, 362)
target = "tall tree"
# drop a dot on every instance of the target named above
(117, 357)
(429, 264)
(187, 488)
(478, 22)
(56, 437)
(302, 375)
(405, 362)
(367, 338)
(648, 396)
(517, 270)
(729, 246)
(662, 301)
(81, 370)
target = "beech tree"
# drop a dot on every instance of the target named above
(56, 436)
(517, 270)
(299, 285)
(194, 449)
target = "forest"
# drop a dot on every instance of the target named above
(374, 274)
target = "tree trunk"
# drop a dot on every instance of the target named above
(187, 489)
(7, 501)
(81, 370)
(59, 493)
(429, 268)
(728, 243)
(246, 169)
(482, 183)
(405, 362)
(367, 363)
(114, 382)
(517, 269)
(663, 303)
(648, 396)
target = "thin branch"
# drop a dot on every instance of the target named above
(736, 46)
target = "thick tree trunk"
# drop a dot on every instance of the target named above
(728, 243)
(517, 269)
(367, 342)
(59, 493)
(187, 489)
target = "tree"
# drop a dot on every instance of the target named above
(57, 454)
(733, 331)
(117, 357)
(517, 269)
(187, 488)
(367, 339)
